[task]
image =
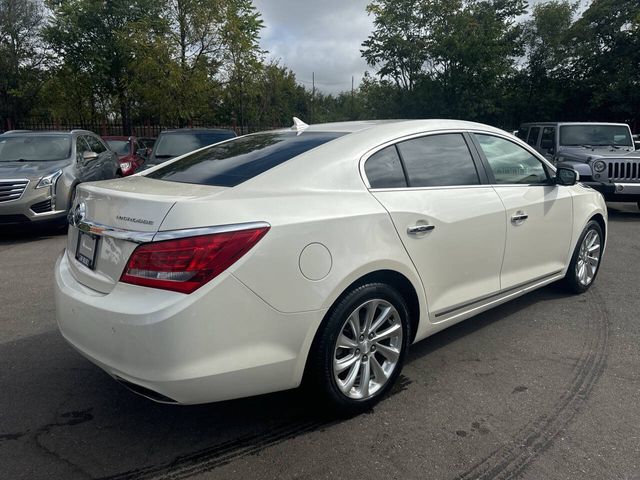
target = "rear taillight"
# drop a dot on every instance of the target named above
(185, 264)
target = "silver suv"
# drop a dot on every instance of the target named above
(602, 153)
(40, 170)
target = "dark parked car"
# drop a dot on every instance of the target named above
(131, 152)
(173, 143)
(602, 153)
(40, 170)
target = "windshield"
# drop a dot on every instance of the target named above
(234, 162)
(175, 144)
(38, 148)
(595, 135)
(121, 147)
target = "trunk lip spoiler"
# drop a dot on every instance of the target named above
(134, 236)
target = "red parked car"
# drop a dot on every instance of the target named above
(132, 152)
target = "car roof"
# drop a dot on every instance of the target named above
(35, 133)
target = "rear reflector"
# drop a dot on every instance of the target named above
(185, 264)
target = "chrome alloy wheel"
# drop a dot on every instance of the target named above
(588, 258)
(367, 349)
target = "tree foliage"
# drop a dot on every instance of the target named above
(172, 62)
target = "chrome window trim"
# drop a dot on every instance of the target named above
(134, 236)
(505, 136)
(16, 180)
(192, 232)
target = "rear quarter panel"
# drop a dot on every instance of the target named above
(352, 225)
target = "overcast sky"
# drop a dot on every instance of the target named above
(321, 36)
(317, 36)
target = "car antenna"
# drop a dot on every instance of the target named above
(298, 125)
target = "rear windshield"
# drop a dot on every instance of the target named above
(595, 135)
(121, 147)
(236, 161)
(36, 148)
(175, 144)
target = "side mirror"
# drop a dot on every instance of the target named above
(88, 155)
(566, 176)
(142, 152)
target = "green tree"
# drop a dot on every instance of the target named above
(22, 59)
(97, 39)
(606, 66)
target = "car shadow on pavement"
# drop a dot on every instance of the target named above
(623, 212)
(13, 235)
(77, 415)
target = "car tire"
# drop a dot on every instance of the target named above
(381, 336)
(582, 272)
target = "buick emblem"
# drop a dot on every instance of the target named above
(79, 213)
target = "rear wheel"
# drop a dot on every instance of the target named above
(585, 261)
(360, 349)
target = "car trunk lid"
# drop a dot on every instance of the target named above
(110, 219)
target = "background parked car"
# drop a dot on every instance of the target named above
(40, 170)
(602, 153)
(131, 152)
(173, 143)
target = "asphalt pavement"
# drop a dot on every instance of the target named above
(545, 387)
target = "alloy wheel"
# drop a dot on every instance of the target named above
(588, 258)
(367, 349)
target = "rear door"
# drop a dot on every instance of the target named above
(451, 224)
(539, 213)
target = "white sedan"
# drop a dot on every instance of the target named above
(314, 255)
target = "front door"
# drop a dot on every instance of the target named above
(539, 213)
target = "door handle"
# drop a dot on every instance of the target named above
(519, 217)
(415, 229)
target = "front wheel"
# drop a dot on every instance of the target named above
(585, 261)
(360, 349)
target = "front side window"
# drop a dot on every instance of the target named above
(231, 163)
(548, 140)
(384, 169)
(533, 136)
(96, 145)
(438, 160)
(510, 163)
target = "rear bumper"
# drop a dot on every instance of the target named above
(219, 343)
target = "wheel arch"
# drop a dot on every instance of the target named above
(390, 277)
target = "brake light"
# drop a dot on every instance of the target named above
(185, 264)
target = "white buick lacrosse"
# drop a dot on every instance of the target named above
(314, 254)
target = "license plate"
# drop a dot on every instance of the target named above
(87, 249)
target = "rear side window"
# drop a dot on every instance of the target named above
(236, 161)
(384, 169)
(438, 160)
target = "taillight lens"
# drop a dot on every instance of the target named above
(185, 264)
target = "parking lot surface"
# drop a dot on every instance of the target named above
(545, 387)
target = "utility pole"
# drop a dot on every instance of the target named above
(313, 93)
(351, 97)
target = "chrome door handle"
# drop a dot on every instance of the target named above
(519, 218)
(415, 229)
